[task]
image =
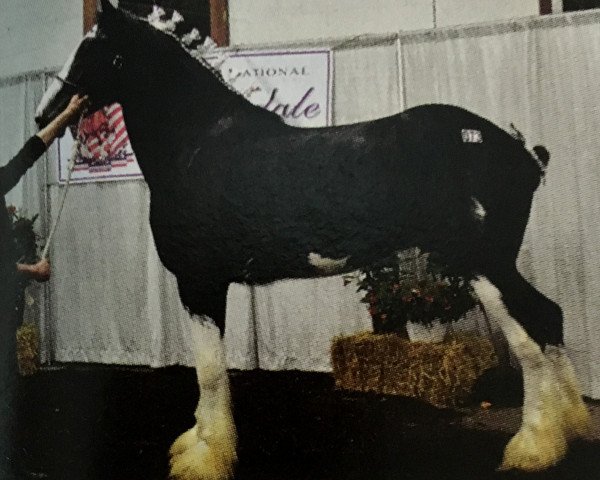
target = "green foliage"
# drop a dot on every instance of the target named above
(25, 240)
(396, 295)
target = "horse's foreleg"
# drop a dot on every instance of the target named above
(553, 411)
(208, 450)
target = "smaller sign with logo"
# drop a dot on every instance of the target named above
(104, 152)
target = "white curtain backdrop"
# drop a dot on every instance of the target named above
(542, 75)
(367, 80)
(111, 301)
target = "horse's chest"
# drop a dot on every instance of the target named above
(185, 233)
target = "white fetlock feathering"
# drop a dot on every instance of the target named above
(553, 411)
(208, 450)
(575, 415)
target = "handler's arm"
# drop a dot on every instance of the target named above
(16, 168)
(36, 145)
(67, 117)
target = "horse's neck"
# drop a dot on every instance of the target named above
(169, 108)
(167, 119)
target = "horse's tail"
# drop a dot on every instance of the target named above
(539, 153)
(542, 157)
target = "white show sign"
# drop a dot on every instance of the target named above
(295, 84)
(104, 152)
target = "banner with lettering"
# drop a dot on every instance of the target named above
(295, 84)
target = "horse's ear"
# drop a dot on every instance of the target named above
(105, 13)
(104, 6)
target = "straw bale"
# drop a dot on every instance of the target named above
(28, 349)
(442, 374)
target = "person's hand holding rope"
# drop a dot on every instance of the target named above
(41, 270)
(69, 116)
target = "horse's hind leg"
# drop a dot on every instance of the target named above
(208, 450)
(553, 411)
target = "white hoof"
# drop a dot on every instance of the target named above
(203, 462)
(184, 442)
(208, 456)
(534, 449)
(577, 421)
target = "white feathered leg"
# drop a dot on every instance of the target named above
(208, 450)
(575, 415)
(553, 411)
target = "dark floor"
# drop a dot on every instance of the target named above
(117, 424)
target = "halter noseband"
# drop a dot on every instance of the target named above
(67, 82)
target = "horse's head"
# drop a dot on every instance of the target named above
(128, 61)
(92, 69)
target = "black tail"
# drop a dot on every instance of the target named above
(542, 155)
(539, 153)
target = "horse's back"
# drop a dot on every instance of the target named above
(354, 190)
(457, 142)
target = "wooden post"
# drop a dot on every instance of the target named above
(545, 7)
(89, 15)
(219, 22)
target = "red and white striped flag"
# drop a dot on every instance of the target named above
(103, 136)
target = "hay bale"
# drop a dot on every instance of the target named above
(28, 349)
(442, 374)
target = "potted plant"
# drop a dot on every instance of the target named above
(26, 248)
(413, 295)
(404, 293)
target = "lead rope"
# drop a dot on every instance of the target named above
(70, 168)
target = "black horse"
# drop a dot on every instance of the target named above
(238, 196)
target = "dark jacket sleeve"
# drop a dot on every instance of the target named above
(16, 168)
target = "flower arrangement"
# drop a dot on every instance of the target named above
(422, 293)
(24, 237)
(25, 242)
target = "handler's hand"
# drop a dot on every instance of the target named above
(73, 109)
(57, 127)
(40, 271)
